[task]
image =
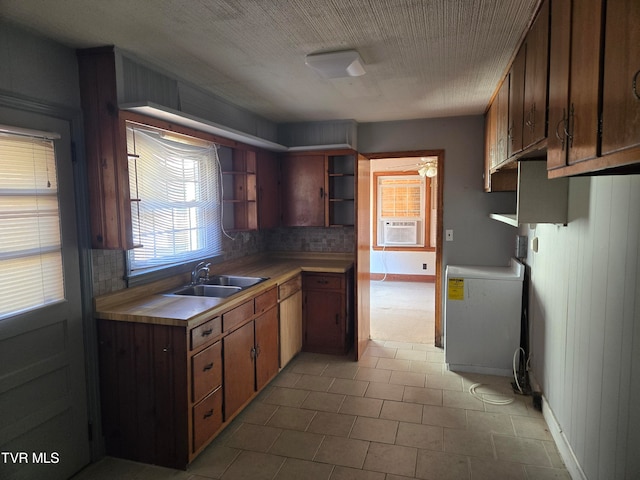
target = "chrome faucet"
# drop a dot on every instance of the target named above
(196, 274)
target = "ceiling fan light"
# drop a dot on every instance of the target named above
(345, 63)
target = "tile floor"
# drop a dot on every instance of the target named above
(397, 414)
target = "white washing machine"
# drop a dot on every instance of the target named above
(482, 317)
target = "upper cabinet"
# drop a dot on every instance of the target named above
(318, 189)
(594, 105)
(621, 82)
(268, 194)
(239, 201)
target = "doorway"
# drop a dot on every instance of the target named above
(405, 290)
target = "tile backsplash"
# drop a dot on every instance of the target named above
(109, 265)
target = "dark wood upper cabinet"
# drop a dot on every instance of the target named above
(268, 168)
(303, 190)
(621, 81)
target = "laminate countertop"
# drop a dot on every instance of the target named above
(153, 304)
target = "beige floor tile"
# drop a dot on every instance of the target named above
(253, 466)
(522, 450)
(384, 391)
(424, 396)
(518, 407)
(286, 379)
(396, 459)
(355, 388)
(410, 354)
(489, 469)
(535, 472)
(375, 430)
(368, 361)
(391, 476)
(314, 382)
(435, 356)
(288, 397)
(345, 473)
(554, 454)
(401, 411)
(453, 399)
(341, 370)
(324, 402)
(426, 367)
(442, 466)
(309, 367)
(444, 416)
(295, 469)
(468, 442)
(420, 436)
(293, 444)
(373, 375)
(381, 352)
(393, 364)
(335, 424)
(444, 382)
(108, 468)
(257, 438)
(258, 413)
(347, 452)
(531, 427)
(291, 418)
(412, 379)
(398, 345)
(364, 407)
(490, 422)
(213, 461)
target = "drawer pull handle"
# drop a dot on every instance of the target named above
(634, 85)
(208, 414)
(207, 367)
(323, 282)
(206, 333)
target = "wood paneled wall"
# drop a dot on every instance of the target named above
(585, 323)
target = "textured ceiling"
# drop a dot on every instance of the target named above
(424, 58)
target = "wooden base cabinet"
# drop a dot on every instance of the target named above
(327, 312)
(167, 391)
(290, 309)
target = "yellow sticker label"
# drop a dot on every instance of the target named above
(456, 289)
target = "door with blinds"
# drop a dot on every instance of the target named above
(43, 403)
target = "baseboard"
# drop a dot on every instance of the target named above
(400, 277)
(564, 448)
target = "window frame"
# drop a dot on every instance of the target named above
(426, 219)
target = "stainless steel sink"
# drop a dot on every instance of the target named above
(233, 280)
(219, 291)
(219, 286)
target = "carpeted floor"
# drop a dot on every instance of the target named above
(403, 311)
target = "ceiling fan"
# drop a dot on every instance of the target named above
(426, 167)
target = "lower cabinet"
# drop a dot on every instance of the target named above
(290, 312)
(166, 391)
(327, 312)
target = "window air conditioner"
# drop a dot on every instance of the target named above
(400, 232)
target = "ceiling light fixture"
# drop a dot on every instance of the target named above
(345, 63)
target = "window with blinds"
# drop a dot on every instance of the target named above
(175, 198)
(401, 197)
(31, 274)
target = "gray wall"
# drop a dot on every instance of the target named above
(477, 239)
(585, 325)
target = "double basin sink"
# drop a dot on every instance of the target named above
(219, 286)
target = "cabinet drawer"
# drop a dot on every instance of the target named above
(205, 332)
(237, 315)
(266, 300)
(324, 281)
(289, 287)
(207, 418)
(206, 370)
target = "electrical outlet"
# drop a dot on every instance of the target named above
(448, 235)
(424, 266)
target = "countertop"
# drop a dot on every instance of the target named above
(150, 304)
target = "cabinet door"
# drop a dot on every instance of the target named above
(303, 190)
(324, 329)
(239, 376)
(516, 101)
(489, 145)
(266, 328)
(502, 123)
(290, 327)
(559, 57)
(535, 85)
(621, 84)
(268, 197)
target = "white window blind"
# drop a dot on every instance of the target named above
(31, 272)
(401, 197)
(175, 207)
